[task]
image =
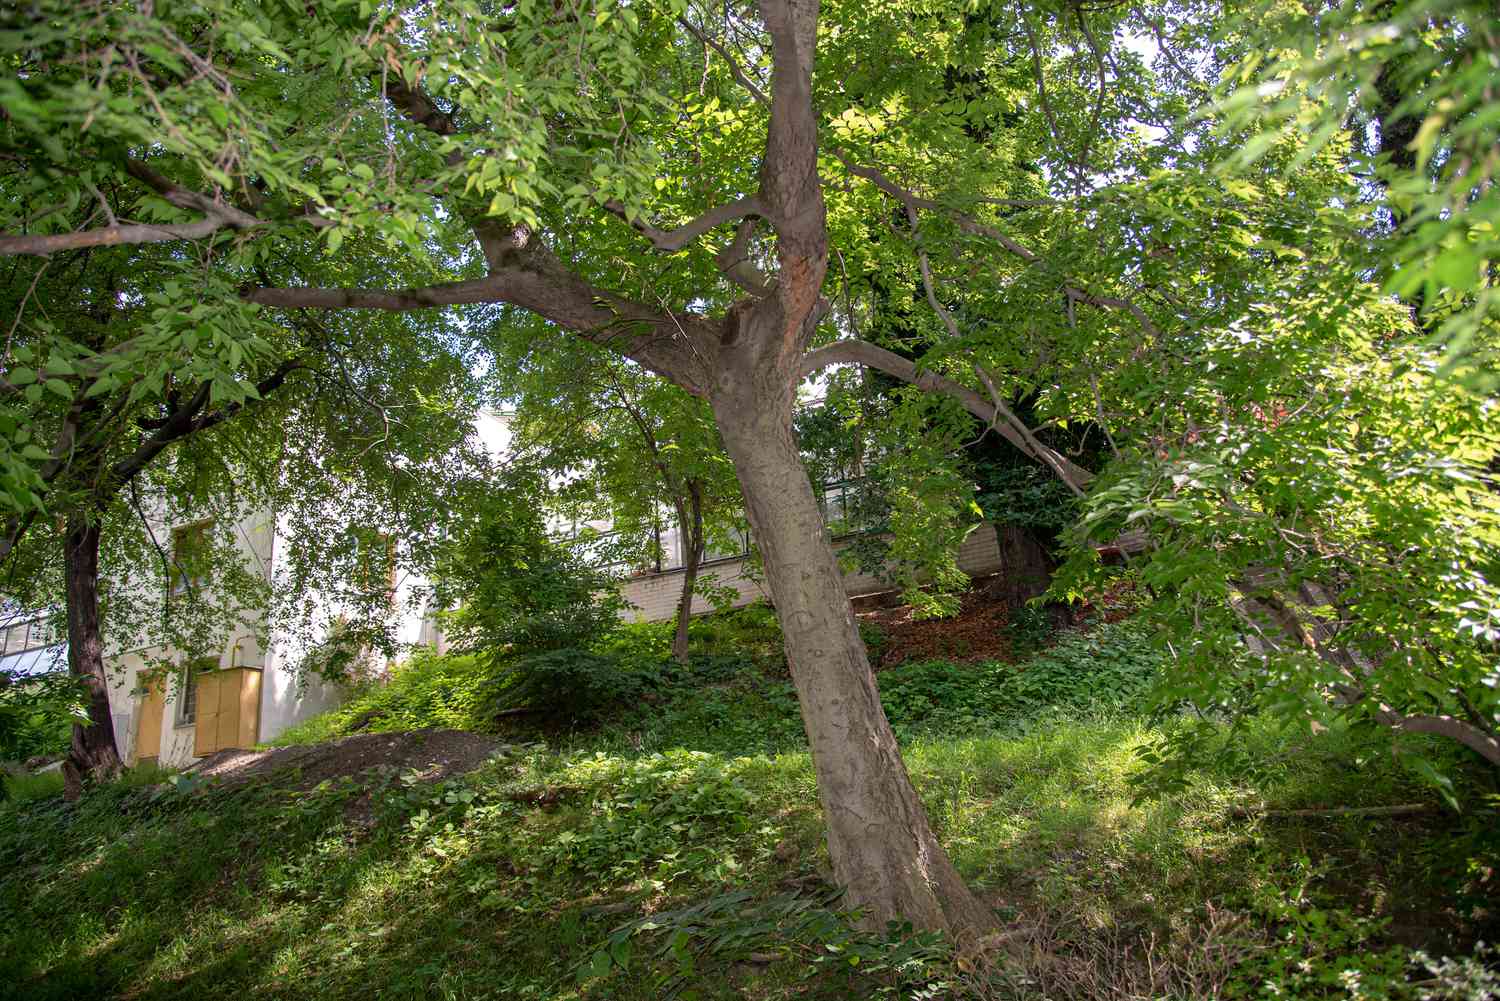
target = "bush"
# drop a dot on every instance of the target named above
(572, 682)
(453, 691)
(519, 592)
(37, 714)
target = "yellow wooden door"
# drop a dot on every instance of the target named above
(206, 718)
(148, 721)
(227, 728)
(228, 710)
(249, 698)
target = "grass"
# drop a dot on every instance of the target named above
(640, 858)
(32, 786)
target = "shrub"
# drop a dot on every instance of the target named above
(430, 690)
(518, 591)
(37, 715)
(569, 681)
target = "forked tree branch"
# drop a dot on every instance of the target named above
(740, 76)
(851, 352)
(1029, 441)
(673, 240)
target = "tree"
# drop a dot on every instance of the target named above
(1032, 174)
(512, 589)
(623, 445)
(113, 377)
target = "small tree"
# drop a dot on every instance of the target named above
(623, 446)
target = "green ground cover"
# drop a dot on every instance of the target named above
(670, 847)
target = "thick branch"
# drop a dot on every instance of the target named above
(396, 300)
(190, 419)
(1029, 442)
(530, 277)
(421, 109)
(873, 356)
(1443, 726)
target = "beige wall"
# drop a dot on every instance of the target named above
(653, 597)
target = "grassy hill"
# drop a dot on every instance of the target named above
(668, 845)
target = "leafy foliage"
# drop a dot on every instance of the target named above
(516, 590)
(37, 715)
(1108, 670)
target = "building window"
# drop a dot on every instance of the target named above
(187, 696)
(190, 551)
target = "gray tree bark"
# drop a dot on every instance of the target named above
(93, 753)
(883, 850)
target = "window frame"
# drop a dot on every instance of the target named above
(186, 711)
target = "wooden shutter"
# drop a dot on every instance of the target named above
(148, 725)
(228, 711)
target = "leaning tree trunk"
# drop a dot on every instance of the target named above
(93, 754)
(883, 850)
(691, 520)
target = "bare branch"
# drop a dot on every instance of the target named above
(739, 74)
(671, 241)
(110, 236)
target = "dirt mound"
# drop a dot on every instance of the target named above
(435, 754)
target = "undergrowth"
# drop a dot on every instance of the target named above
(557, 874)
(734, 696)
(670, 847)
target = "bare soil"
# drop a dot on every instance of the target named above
(434, 754)
(979, 631)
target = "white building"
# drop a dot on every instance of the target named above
(172, 711)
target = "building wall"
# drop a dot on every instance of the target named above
(653, 597)
(286, 697)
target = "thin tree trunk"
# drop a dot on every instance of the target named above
(94, 753)
(883, 850)
(691, 521)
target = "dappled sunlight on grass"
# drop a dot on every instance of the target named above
(510, 881)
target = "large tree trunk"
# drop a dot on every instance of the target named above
(690, 517)
(93, 754)
(883, 850)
